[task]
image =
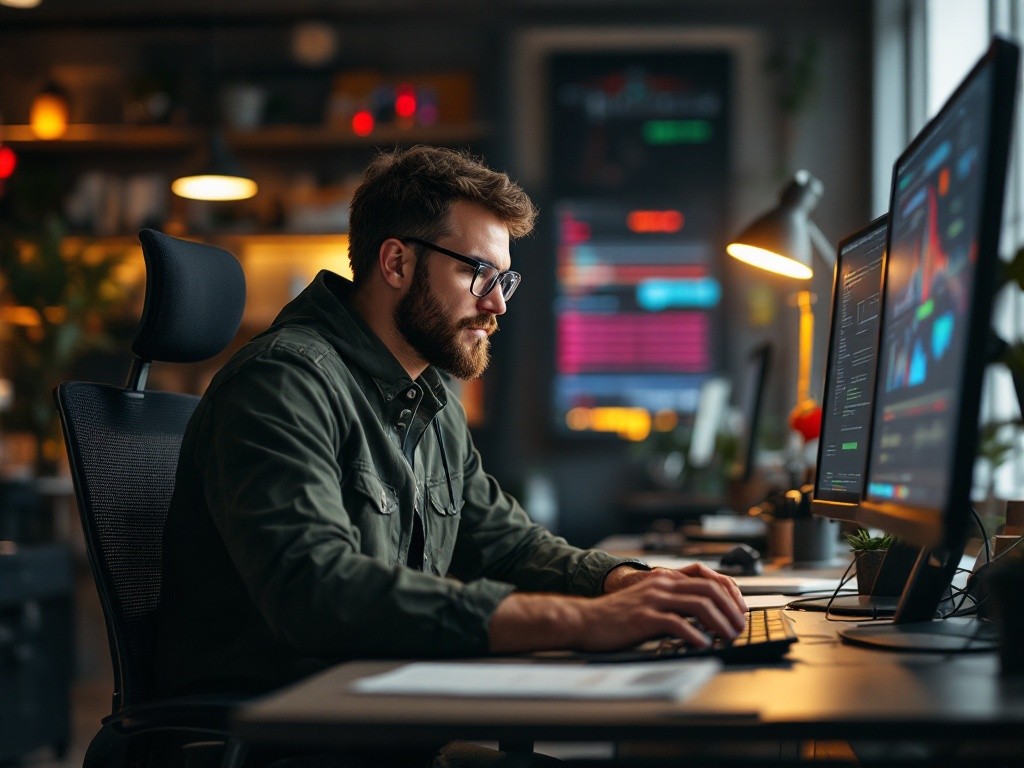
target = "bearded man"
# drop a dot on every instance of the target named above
(329, 502)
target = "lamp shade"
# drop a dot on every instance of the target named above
(780, 241)
(217, 177)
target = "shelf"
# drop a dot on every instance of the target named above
(90, 138)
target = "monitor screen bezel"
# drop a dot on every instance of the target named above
(946, 526)
(837, 505)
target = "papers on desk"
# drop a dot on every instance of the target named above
(674, 680)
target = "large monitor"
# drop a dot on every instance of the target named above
(946, 213)
(850, 373)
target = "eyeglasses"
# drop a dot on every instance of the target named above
(486, 276)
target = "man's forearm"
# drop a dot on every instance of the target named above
(530, 622)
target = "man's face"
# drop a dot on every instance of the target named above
(439, 316)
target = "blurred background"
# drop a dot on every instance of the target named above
(648, 133)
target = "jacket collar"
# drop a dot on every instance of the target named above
(325, 305)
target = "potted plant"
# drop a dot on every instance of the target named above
(868, 551)
(56, 296)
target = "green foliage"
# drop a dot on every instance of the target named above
(863, 541)
(56, 296)
(797, 71)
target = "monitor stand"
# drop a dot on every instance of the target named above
(953, 635)
(867, 606)
(914, 626)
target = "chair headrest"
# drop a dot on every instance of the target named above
(195, 294)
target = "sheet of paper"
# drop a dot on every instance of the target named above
(674, 680)
(766, 601)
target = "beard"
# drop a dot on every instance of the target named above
(423, 322)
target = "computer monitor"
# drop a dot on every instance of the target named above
(847, 405)
(755, 377)
(707, 421)
(850, 373)
(946, 212)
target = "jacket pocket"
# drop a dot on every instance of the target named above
(379, 494)
(441, 525)
(372, 505)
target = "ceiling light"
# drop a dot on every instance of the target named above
(217, 177)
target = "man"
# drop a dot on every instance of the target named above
(329, 501)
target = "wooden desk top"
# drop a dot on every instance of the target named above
(824, 690)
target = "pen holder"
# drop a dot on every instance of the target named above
(780, 538)
(814, 541)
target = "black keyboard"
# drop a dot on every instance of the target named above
(767, 638)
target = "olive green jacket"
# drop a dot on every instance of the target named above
(302, 472)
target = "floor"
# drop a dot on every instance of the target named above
(92, 688)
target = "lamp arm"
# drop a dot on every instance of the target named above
(826, 250)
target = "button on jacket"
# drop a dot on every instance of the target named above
(328, 507)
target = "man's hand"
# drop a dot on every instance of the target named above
(625, 575)
(653, 604)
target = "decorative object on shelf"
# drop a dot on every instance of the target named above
(313, 43)
(242, 105)
(8, 160)
(49, 113)
(364, 101)
(217, 177)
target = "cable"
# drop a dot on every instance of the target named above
(829, 616)
(984, 534)
(996, 559)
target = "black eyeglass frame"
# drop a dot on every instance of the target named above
(500, 278)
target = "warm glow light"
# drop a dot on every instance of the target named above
(767, 260)
(631, 423)
(20, 3)
(362, 123)
(208, 187)
(48, 116)
(8, 162)
(654, 221)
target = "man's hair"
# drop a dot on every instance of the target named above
(410, 193)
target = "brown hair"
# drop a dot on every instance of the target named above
(410, 192)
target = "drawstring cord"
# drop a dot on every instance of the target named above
(452, 509)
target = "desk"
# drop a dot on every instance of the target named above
(824, 691)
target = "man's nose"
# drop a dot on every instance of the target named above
(493, 302)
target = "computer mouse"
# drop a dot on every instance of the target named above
(741, 560)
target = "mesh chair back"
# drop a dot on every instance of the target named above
(123, 444)
(123, 451)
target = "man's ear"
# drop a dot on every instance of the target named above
(397, 262)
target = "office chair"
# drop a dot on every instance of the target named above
(122, 446)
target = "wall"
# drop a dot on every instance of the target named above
(830, 136)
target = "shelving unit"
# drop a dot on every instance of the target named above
(91, 138)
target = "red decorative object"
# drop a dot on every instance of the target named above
(8, 162)
(805, 418)
(362, 123)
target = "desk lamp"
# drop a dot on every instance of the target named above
(782, 241)
(217, 177)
